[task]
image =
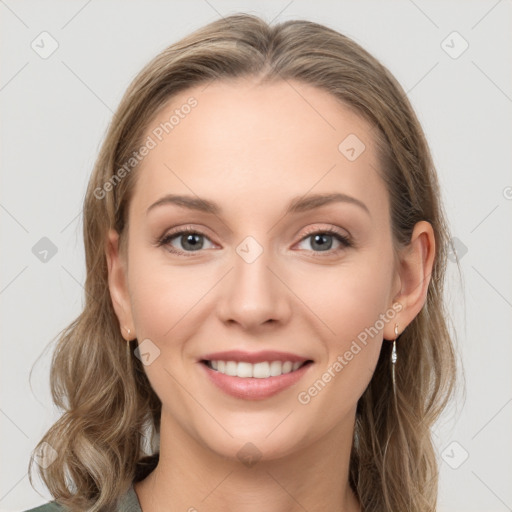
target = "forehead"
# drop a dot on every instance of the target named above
(241, 141)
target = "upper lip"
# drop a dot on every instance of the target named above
(253, 357)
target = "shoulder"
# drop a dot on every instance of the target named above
(52, 506)
(129, 502)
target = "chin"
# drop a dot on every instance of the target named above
(258, 441)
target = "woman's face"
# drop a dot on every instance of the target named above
(269, 270)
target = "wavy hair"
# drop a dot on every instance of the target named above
(109, 409)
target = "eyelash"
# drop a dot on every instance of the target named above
(345, 241)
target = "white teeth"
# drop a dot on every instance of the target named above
(231, 368)
(276, 368)
(287, 367)
(258, 370)
(244, 370)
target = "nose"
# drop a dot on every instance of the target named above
(253, 294)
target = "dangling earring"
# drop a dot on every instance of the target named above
(394, 357)
(128, 352)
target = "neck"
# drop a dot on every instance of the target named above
(189, 476)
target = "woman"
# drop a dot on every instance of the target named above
(264, 322)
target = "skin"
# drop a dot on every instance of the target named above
(252, 148)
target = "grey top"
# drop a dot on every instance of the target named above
(127, 503)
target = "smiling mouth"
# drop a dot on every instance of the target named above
(261, 370)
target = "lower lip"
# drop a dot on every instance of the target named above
(251, 388)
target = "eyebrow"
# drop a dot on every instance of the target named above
(296, 205)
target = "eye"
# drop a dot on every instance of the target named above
(323, 240)
(188, 240)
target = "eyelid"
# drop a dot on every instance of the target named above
(329, 229)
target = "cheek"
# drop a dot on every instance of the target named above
(348, 298)
(165, 301)
(340, 300)
(351, 301)
(163, 295)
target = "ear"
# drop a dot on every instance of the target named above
(117, 283)
(414, 271)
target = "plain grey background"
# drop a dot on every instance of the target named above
(453, 59)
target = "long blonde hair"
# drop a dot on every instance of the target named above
(108, 410)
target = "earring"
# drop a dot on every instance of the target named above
(394, 358)
(128, 351)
